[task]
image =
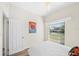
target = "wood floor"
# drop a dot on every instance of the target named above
(22, 53)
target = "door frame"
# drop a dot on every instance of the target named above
(5, 35)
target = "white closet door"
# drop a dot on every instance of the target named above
(16, 36)
(19, 36)
(10, 36)
(24, 35)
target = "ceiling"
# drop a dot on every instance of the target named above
(41, 8)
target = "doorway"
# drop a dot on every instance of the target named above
(5, 35)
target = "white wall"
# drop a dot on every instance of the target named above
(20, 38)
(71, 27)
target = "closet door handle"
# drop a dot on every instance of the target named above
(23, 37)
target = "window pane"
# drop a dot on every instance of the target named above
(56, 32)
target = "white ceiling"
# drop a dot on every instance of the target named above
(41, 8)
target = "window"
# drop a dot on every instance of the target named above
(56, 31)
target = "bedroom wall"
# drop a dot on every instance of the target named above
(71, 26)
(20, 38)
